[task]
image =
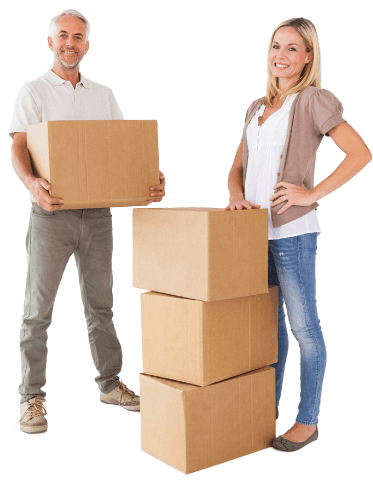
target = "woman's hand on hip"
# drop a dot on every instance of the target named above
(294, 195)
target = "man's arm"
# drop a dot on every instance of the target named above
(36, 186)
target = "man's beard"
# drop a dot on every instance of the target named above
(66, 65)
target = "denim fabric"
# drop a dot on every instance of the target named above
(51, 239)
(291, 266)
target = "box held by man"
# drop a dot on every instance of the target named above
(96, 163)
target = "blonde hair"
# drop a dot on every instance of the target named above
(311, 73)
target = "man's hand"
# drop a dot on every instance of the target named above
(158, 190)
(39, 189)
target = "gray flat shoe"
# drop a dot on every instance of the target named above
(283, 444)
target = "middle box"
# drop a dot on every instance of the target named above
(202, 343)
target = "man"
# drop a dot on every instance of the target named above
(62, 93)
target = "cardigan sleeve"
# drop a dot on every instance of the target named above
(326, 111)
(244, 123)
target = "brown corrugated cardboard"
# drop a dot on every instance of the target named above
(202, 342)
(192, 428)
(96, 163)
(201, 253)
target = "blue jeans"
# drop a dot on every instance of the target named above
(291, 266)
(52, 238)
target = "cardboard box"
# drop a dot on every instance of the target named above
(96, 163)
(202, 342)
(201, 253)
(192, 428)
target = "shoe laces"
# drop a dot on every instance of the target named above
(122, 388)
(35, 409)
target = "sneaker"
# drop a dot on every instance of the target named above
(122, 396)
(32, 416)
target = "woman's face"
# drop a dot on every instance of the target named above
(288, 48)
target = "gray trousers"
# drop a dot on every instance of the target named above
(51, 239)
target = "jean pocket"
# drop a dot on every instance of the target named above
(106, 212)
(40, 212)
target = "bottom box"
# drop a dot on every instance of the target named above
(191, 427)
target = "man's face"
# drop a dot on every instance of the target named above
(69, 44)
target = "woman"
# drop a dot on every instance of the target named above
(281, 134)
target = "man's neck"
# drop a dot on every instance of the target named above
(73, 77)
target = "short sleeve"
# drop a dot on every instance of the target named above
(26, 111)
(116, 113)
(326, 111)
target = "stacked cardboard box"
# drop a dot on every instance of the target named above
(209, 329)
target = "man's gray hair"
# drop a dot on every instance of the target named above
(75, 13)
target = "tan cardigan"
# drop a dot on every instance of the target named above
(313, 112)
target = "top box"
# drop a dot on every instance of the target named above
(96, 163)
(206, 254)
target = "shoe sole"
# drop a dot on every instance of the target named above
(135, 410)
(32, 430)
(279, 451)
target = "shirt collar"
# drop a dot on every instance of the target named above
(54, 79)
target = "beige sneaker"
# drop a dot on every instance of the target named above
(122, 396)
(32, 416)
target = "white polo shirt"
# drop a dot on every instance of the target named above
(50, 97)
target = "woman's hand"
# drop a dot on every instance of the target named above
(239, 204)
(295, 195)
